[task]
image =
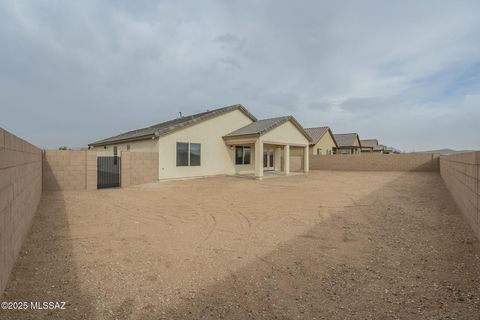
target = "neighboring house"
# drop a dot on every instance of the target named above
(227, 140)
(348, 143)
(379, 148)
(322, 142)
(387, 150)
(368, 145)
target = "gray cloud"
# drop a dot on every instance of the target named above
(75, 72)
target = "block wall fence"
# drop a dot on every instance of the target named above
(461, 174)
(377, 162)
(20, 193)
(69, 170)
(138, 168)
(77, 169)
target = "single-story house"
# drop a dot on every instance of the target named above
(227, 140)
(348, 143)
(368, 145)
(388, 150)
(380, 148)
(323, 142)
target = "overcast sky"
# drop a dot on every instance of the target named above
(405, 72)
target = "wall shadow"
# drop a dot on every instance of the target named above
(402, 252)
(45, 270)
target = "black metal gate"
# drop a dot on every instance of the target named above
(108, 172)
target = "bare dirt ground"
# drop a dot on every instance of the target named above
(330, 245)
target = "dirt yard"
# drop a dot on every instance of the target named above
(330, 245)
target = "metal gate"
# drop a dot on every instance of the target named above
(108, 172)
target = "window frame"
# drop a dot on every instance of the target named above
(177, 157)
(188, 154)
(243, 148)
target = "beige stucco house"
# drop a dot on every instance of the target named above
(323, 142)
(348, 143)
(224, 141)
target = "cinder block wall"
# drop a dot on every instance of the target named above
(376, 162)
(69, 170)
(20, 193)
(139, 167)
(461, 174)
(296, 163)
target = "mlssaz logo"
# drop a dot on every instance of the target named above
(37, 305)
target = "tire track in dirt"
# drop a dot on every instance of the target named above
(213, 227)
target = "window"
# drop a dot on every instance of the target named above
(188, 154)
(128, 147)
(115, 151)
(319, 151)
(195, 150)
(242, 155)
(182, 154)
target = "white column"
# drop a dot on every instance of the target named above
(259, 159)
(286, 159)
(306, 155)
(278, 159)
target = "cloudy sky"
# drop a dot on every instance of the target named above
(405, 72)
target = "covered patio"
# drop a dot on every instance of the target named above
(270, 147)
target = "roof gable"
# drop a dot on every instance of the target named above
(263, 126)
(317, 134)
(170, 126)
(347, 140)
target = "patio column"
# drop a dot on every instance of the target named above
(306, 155)
(259, 159)
(278, 159)
(286, 159)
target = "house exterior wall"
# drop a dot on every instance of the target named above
(326, 145)
(216, 157)
(286, 133)
(20, 193)
(149, 145)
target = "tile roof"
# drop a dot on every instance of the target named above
(345, 139)
(171, 125)
(317, 133)
(369, 143)
(260, 127)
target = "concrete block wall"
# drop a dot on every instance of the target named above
(376, 162)
(138, 167)
(69, 170)
(20, 193)
(461, 174)
(296, 163)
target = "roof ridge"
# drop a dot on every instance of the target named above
(318, 127)
(172, 125)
